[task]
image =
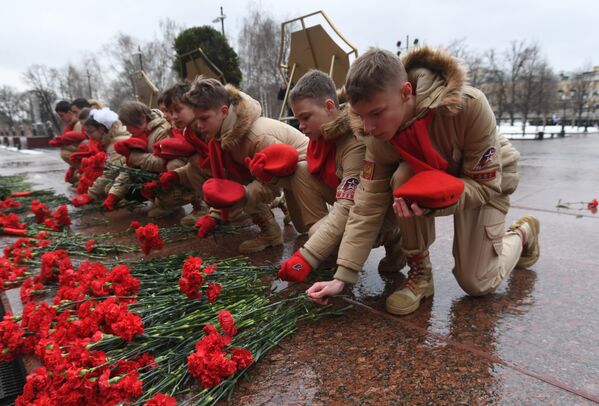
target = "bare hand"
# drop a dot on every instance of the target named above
(320, 291)
(400, 207)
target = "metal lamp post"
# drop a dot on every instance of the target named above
(407, 47)
(221, 18)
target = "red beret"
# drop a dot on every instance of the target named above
(431, 189)
(125, 147)
(68, 138)
(274, 160)
(174, 147)
(222, 193)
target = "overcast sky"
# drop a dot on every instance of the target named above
(54, 32)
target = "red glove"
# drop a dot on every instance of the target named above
(81, 200)
(110, 201)
(122, 148)
(68, 176)
(295, 269)
(205, 224)
(168, 179)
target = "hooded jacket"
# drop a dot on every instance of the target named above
(464, 133)
(159, 129)
(112, 181)
(349, 156)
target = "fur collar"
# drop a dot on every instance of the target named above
(439, 79)
(338, 127)
(243, 111)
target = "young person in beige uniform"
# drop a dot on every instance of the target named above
(388, 96)
(151, 125)
(329, 176)
(232, 119)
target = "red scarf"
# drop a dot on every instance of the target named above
(322, 161)
(414, 145)
(141, 133)
(222, 163)
(200, 145)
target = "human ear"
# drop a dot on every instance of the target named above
(406, 90)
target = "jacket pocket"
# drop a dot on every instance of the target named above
(494, 233)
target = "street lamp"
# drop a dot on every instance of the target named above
(407, 47)
(221, 18)
(565, 97)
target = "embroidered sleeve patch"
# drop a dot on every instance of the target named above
(347, 188)
(486, 158)
(484, 176)
(368, 169)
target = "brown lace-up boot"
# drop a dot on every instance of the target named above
(269, 236)
(419, 285)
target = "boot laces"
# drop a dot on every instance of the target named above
(415, 273)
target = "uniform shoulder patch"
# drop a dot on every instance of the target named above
(368, 169)
(485, 176)
(347, 188)
(486, 158)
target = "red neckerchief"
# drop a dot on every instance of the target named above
(322, 161)
(141, 133)
(200, 145)
(222, 163)
(69, 127)
(414, 145)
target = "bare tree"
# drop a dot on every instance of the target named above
(581, 89)
(13, 106)
(258, 52)
(545, 97)
(474, 62)
(122, 63)
(528, 84)
(159, 54)
(43, 84)
(495, 87)
(515, 58)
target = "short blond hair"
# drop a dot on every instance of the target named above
(375, 71)
(206, 94)
(132, 112)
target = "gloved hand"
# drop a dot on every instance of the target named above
(205, 224)
(168, 179)
(68, 176)
(81, 200)
(295, 269)
(110, 201)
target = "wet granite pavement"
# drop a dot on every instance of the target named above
(533, 341)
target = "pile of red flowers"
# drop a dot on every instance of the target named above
(60, 218)
(149, 189)
(11, 221)
(149, 238)
(91, 168)
(192, 279)
(9, 203)
(40, 211)
(210, 363)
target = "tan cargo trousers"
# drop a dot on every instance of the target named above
(484, 253)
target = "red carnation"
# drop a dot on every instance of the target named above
(149, 238)
(135, 225)
(149, 189)
(89, 245)
(593, 204)
(213, 291)
(227, 324)
(40, 211)
(61, 215)
(242, 357)
(161, 400)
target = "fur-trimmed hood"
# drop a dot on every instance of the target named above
(438, 79)
(157, 119)
(243, 111)
(338, 127)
